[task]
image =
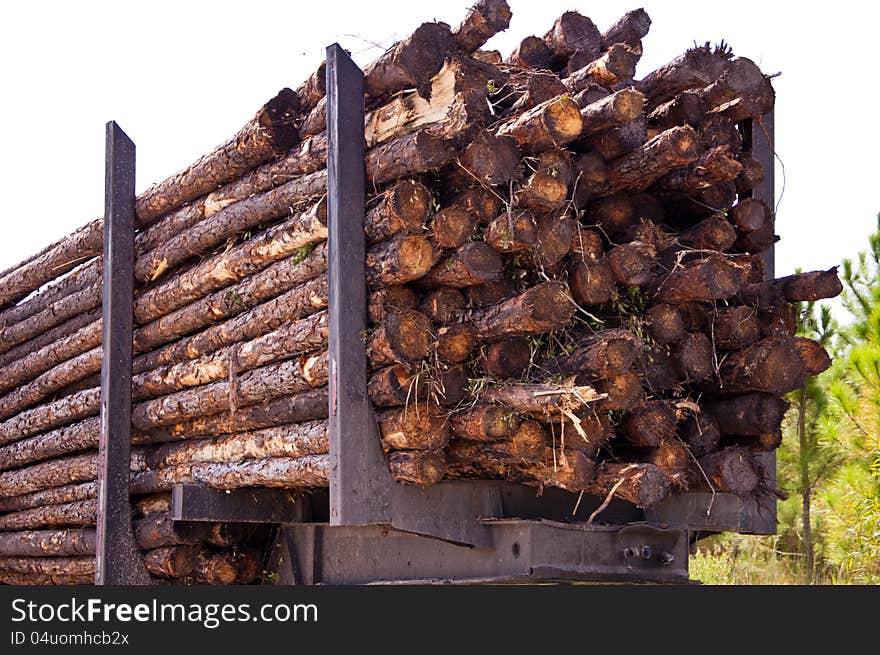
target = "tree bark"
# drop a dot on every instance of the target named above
(48, 543)
(717, 165)
(611, 111)
(619, 141)
(605, 354)
(773, 365)
(171, 561)
(544, 402)
(705, 280)
(485, 19)
(630, 29)
(215, 568)
(556, 236)
(80, 513)
(484, 422)
(614, 66)
(643, 485)
(64, 566)
(549, 125)
(395, 386)
(404, 207)
(473, 263)
(697, 67)
(730, 470)
(413, 428)
(570, 33)
(506, 359)
(152, 504)
(53, 496)
(56, 472)
(701, 433)
(650, 424)
(542, 308)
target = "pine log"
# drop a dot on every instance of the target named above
(80, 513)
(697, 67)
(751, 175)
(649, 424)
(615, 66)
(152, 504)
(484, 422)
(485, 19)
(395, 386)
(456, 342)
(527, 89)
(590, 173)
(735, 327)
(592, 283)
(644, 485)
(731, 470)
(541, 401)
(228, 534)
(413, 428)
(772, 365)
(506, 359)
(411, 62)
(542, 308)
(480, 296)
(296, 440)
(52, 496)
(757, 102)
(532, 52)
(452, 227)
(622, 392)
(630, 29)
(619, 141)
(63, 566)
(391, 299)
(717, 131)
(713, 233)
(297, 408)
(701, 434)
(673, 460)
(473, 263)
(705, 280)
(611, 111)
(250, 565)
(49, 336)
(48, 543)
(488, 160)
(809, 287)
(614, 214)
(404, 336)
(270, 133)
(404, 207)
(570, 33)
(694, 357)
(602, 355)
(664, 323)
(556, 235)
(570, 470)
(313, 89)
(483, 204)
(542, 192)
(633, 263)
(512, 231)
(281, 472)
(171, 561)
(638, 170)
(215, 568)
(402, 259)
(54, 473)
(717, 165)
(549, 125)
(417, 467)
(814, 356)
(444, 305)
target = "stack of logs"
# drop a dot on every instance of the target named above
(565, 282)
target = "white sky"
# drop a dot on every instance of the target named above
(181, 77)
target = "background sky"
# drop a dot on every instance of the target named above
(181, 77)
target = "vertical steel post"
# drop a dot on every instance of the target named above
(360, 483)
(762, 146)
(118, 558)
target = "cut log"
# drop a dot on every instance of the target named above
(717, 165)
(697, 67)
(630, 29)
(620, 141)
(473, 263)
(615, 66)
(485, 19)
(152, 504)
(570, 33)
(228, 534)
(49, 336)
(456, 342)
(532, 52)
(633, 263)
(483, 204)
(488, 160)
(402, 259)
(705, 280)
(701, 434)
(713, 233)
(649, 424)
(413, 428)
(542, 308)
(452, 227)
(751, 175)
(512, 231)
(171, 561)
(529, 89)
(64, 566)
(395, 386)
(605, 354)
(570, 470)
(644, 485)
(814, 356)
(487, 294)
(391, 299)
(411, 62)
(611, 111)
(809, 287)
(404, 336)
(43, 579)
(52, 496)
(278, 472)
(735, 327)
(544, 402)
(54, 473)
(48, 543)
(484, 422)
(80, 513)
(664, 323)
(730, 470)
(542, 192)
(590, 174)
(717, 131)
(270, 133)
(549, 125)
(417, 467)
(592, 283)
(444, 305)
(694, 357)
(772, 365)
(506, 359)
(215, 568)
(638, 170)
(403, 207)
(556, 234)
(622, 392)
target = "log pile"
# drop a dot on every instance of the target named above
(565, 289)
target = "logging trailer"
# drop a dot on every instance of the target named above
(368, 528)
